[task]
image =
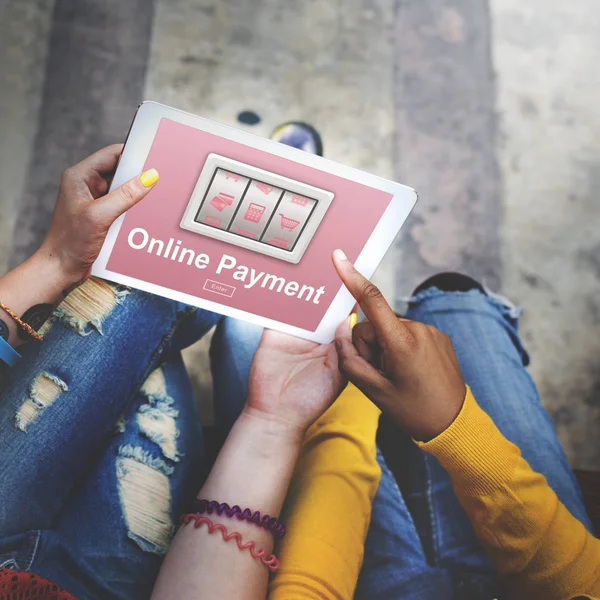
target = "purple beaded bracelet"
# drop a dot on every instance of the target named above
(202, 506)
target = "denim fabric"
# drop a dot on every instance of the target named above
(70, 509)
(421, 543)
(89, 490)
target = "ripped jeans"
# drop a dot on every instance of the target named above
(102, 449)
(421, 545)
(100, 440)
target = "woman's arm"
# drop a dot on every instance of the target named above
(292, 382)
(31, 291)
(82, 217)
(253, 470)
(541, 549)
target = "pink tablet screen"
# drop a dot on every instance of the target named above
(152, 246)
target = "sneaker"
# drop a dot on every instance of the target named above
(299, 135)
(450, 282)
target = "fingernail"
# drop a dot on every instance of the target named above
(149, 178)
(353, 319)
(340, 254)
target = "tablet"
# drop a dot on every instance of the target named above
(245, 226)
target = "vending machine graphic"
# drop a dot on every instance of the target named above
(255, 209)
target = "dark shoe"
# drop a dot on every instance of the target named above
(299, 135)
(450, 282)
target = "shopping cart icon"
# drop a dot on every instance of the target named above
(214, 221)
(254, 212)
(233, 176)
(287, 223)
(245, 233)
(280, 242)
(300, 200)
(264, 188)
(222, 200)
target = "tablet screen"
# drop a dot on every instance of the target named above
(248, 232)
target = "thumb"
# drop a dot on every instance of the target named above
(127, 195)
(362, 374)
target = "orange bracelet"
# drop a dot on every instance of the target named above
(30, 330)
(270, 561)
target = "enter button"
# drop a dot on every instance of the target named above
(218, 288)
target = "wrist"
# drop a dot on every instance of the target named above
(270, 428)
(53, 268)
(256, 463)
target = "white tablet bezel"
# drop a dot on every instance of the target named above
(137, 147)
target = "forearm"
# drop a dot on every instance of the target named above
(540, 548)
(252, 470)
(37, 281)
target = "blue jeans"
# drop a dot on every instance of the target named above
(102, 448)
(421, 543)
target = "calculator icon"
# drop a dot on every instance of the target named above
(254, 212)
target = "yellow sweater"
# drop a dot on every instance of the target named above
(536, 544)
(328, 507)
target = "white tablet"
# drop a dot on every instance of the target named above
(245, 226)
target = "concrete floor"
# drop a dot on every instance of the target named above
(547, 89)
(486, 107)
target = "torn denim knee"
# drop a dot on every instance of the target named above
(86, 307)
(435, 300)
(43, 392)
(145, 496)
(156, 418)
(511, 310)
(143, 475)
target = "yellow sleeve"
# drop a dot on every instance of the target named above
(328, 507)
(541, 549)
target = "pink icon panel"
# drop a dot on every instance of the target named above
(221, 199)
(255, 210)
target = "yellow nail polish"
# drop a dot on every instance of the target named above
(149, 178)
(353, 319)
